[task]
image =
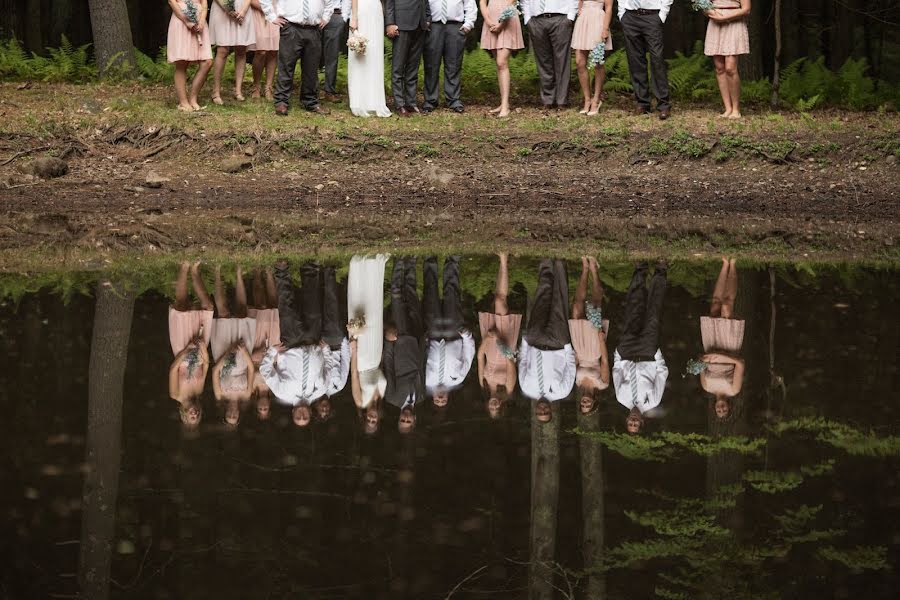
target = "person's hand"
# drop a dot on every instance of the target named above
(604, 35)
(494, 27)
(392, 31)
(322, 344)
(323, 23)
(391, 336)
(280, 21)
(491, 333)
(464, 30)
(354, 23)
(427, 26)
(353, 345)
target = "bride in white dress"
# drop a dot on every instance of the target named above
(365, 298)
(365, 74)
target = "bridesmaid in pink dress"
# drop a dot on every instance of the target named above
(190, 328)
(265, 51)
(187, 44)
(588, 332)
(591, 28)
(723, 338)
(500, 337)
(268, 333)
(501, 39)
(727, 38)
(231, 30)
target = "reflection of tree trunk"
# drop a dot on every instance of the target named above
(544, 502)
(106, 374)
(592, 503)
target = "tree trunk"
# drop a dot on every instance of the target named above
(106, 374)
(776, 66)
(60, 21)
(544, 503)
(113, 46)
(592, 487)
(34, 39)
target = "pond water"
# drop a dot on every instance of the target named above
(794, 494)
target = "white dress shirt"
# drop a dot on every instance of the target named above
(546, 374)
(301, 12)
(539, 7)
(341, 370)
(456, 358)
(463, 11)
(663, 6)
(651, 381)
(299, 375)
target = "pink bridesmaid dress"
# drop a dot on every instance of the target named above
(510, 37)
(727, 39)
(184, 44)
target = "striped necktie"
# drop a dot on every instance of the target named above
(442, 346)
(632, 373)
(540, 362)
(444, 11)
(543, 7)
(306, 11)
(305, 370)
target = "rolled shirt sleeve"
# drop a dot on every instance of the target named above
(664, 7)
(568, 381)
(338, 376)
(471, 14)
(659, 382)
(573, 10)
(526, 11)
(267, 9)
(468, 352)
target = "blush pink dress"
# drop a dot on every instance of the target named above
(267, 34)
(184, 44)
(727, 39)
(589, 26)
(586, 343)
(184, 325)
(507, 327)
(268, 331)
(227, 32)
(510, 37)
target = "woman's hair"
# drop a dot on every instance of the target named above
(501, 393)
(362, 412)
(594, 393)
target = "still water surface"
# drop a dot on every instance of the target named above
(794, 495)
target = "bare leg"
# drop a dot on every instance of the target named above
(271, 64)
(259, 63)
(722, 80)
(219, 67)
(581, 291)
(240, 295)
(200, 288)
(501, 307)
(271, 292)
(599, 80)
(581, 59)
(734, 86)
(181, 85)
(596, 286)
(259, 291)
(182, 301)
(715, 307)
(503, 79)
(730, 294)
(240, 65)
(221, 298)
(199, 80)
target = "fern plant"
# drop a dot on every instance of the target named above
(66, 63)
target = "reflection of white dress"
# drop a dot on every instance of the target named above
(365, 74)
(365, 297)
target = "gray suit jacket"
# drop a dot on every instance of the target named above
(407, 15)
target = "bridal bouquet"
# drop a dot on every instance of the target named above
(356, 324)
(357, 43)
(694, 367)
(508, 13)
(507, 352)
(702, 5)
(190, 11)
(229, 5)
(597, 55)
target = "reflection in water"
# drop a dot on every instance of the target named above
(426, 499)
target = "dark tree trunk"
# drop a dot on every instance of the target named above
(113, 46)
(751, 65)
(106, 374)
(34, 39)
(592, 488)
(544, 503)
(776, 65)
(60, 20)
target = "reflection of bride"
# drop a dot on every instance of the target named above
(365, 300)
(365, 73)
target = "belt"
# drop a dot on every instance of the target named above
(452, 22)
(303, 25)
(547, 15)
(644, 11)
(337, 11)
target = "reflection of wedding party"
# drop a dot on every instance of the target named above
(295, 346)
(284, 35)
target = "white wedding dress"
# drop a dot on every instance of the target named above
(365, 298)
(365, 74)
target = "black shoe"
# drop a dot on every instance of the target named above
(427, 109)
(459, 109)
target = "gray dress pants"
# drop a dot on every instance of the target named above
(299, 43)
(643, 34)
(551, 39)
(444, 42)
(334, 42)
(408, 46)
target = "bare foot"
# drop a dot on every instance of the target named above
(734, 115)
(195, 105)
(217, 99)
(585, 265)
(503, 113)
(256, 95)
(494, 111)
(185, 108)
(596, 103)
(269, 94)
(593, 264)
(239, 96)
(725, 114)
(587, 107)
(195, 268)
(503, 256)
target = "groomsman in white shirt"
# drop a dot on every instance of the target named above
(451, 21)
(401, 358)
(546, 357)
(301, 23)
(642, 23)
(334, 43)
(639, 371)
(550, 24)
(449, 346)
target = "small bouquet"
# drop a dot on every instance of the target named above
(355, 326)
(228, 366)
(594, 315)
(507, 352)
(192, 358)
(357, 43)
(230, 5)
(190, 11)
(597, 55)
(694, 367)
(702, 5)
(508, 13)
